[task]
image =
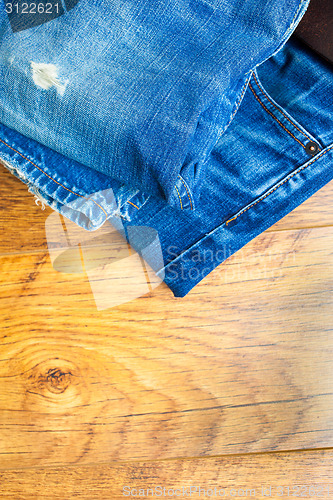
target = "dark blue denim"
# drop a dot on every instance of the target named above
(266, 146)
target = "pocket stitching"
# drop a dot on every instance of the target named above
(273, 116)
(279, 184)
(256, 78)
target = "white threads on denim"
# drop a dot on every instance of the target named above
(14, 170)
(38, 197)
(31, 188)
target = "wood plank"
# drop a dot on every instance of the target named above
(276, 475)
(242, 364)
(24, 221)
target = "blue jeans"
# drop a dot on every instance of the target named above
(218, 127)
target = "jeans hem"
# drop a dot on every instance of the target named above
(31, 162)
(191, 266)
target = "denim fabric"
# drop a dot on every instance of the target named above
(275, 153)
(259, 170)
(143, 89)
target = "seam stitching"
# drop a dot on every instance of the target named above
(188, 194)
(80, 195)
(132, 204)
(180, 200)
(296, 14)
(273, 116)
(67, 189)
(239, 101)
(279, 185)
(286, 35)
(275, 106)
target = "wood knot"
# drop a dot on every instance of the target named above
(57, 381)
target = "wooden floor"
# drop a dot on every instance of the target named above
(228, 387)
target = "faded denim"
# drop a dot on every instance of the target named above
(218, 127)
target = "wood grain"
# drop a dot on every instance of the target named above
(161, 387)
(242, 364)
(308, 473)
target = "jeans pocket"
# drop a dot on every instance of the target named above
(310, 144)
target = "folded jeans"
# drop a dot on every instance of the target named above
(268, 144)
